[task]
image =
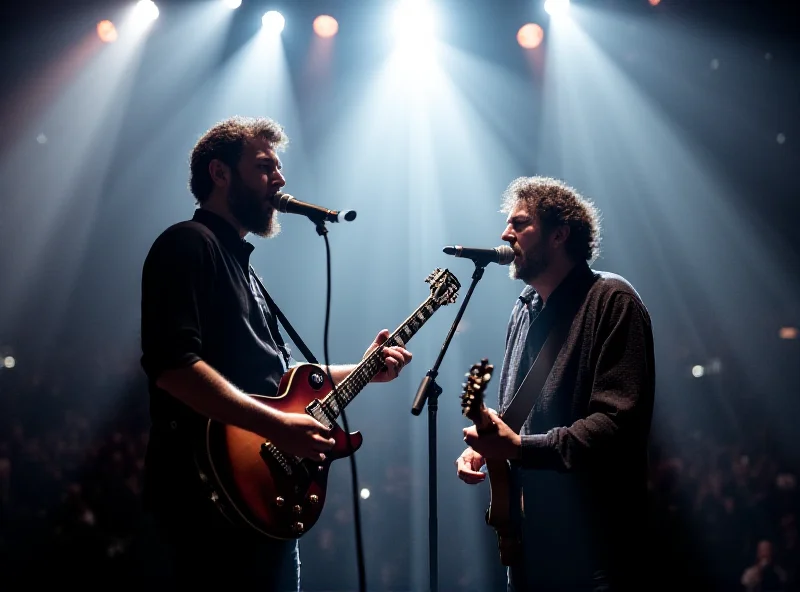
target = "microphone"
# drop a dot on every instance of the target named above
(287, 203)
(502, 255)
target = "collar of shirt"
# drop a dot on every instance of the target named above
(528, 310)
(580, 273)
(226, 234)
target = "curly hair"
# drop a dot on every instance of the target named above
(557, 204)
(225, 141)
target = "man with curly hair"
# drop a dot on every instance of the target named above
(579, 463)
(208, 339)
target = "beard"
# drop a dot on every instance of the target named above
(253, 211)
(533, 263)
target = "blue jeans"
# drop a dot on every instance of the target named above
(199, 558)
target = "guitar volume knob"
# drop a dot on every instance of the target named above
(314, 499)
(297, 509)
(297, 527)
(279, 501)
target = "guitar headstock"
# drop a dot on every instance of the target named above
(444, 286)
(475, 388)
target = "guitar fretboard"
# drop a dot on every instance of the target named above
(366, 370)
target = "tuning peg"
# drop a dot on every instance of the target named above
(436, 272)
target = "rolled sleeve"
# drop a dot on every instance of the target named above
(177, 282)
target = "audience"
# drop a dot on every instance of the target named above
(70, 476)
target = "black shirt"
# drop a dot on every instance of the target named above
(200, 301)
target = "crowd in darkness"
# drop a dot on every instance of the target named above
(724, 512)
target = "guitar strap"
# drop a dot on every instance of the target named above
(530, 390)
(284, 321)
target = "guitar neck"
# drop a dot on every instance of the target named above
(366, 370)
(482, 419)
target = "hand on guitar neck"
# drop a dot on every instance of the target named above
(499, 442)
(470, 463)
(491, 443)
(489, 437)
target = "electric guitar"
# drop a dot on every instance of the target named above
(498, 514)
(257, 485)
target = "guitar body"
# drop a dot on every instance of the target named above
(273, 493)
(258, 486)
(498, 514)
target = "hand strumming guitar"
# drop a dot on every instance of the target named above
(300, 435)
(469, 466)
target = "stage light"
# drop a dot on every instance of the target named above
(9, 362)
(556, 7)
(364, 493)
(232, 4)
(781, 138)
(146, 11)
(273, 22)
(325, 26)
(654, 2)
(788, 333)
(107, 31)
(698, 371)
(414, 22)
(530, 36)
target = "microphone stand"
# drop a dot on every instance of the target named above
(322, 230)
(430, 390)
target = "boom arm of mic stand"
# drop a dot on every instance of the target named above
(430, 378)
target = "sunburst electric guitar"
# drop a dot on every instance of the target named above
(257, 485)
(498, 514)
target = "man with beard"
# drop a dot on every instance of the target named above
(579, 463)
(208, 339)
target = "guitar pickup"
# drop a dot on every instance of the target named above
(316, 410)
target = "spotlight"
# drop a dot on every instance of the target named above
(146, 11)
(530, 36)
(9, 362)
(325, 26)
(273, 22)
(107, 31)
(232, 4)
(364, 493)
(654, 2)
(788, 333)
(698, 371)
(414, 22)
(556, 7)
